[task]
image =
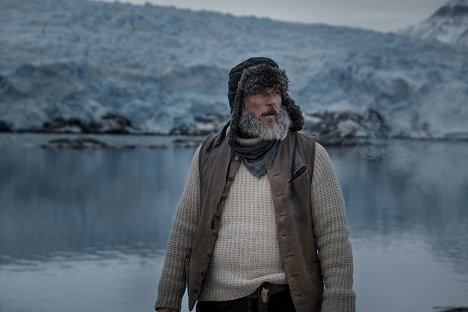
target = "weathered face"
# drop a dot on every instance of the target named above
(264, 116)
(265, 104)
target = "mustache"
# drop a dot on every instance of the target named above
(270, 112)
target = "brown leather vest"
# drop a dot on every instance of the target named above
(290, 177)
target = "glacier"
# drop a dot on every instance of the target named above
(84, 66)
(448, 24)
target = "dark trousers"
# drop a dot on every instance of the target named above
(278, 302)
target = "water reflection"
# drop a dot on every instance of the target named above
(116, 283)
(93, 224)
(417, 188)
(71, 201)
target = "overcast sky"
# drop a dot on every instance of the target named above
(383, 15)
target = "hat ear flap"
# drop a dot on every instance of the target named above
(235, 116)
(294, 112)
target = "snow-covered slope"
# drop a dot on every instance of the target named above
(448, 24)
(69, 65)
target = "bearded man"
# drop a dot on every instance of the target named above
(261, 225)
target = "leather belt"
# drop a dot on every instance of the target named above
(261, 297)
(264, 292)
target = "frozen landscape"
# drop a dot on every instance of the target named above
(448, 24)
(92, 67)
(86, 230)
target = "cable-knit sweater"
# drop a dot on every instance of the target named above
(246, 252)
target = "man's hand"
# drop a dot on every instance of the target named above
(166, 310)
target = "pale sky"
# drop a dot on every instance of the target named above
(383, 15)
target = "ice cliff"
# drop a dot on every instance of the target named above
(82, 66)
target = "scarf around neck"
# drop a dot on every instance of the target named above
(257, 158)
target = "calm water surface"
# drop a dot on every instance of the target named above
(86, 230)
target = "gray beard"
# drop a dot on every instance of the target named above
(253, 127)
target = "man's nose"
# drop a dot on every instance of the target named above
(271, 99)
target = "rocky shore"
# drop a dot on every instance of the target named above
(330, 128)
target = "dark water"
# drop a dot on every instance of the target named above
(86, 230)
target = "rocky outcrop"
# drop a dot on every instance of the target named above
(80, 143)
(4, 126)
(329, 127)
(93, 143)
(109, 123)
(203, 125)
(346, 128)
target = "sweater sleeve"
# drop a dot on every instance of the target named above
(334, 247)
(184, 226)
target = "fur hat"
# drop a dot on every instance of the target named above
(236, 73)
(256, 74)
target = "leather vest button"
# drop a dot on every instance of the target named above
(281, 217)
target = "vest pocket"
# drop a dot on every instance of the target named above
(302, 171)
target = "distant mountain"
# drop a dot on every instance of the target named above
(448, 24)
(84, 66)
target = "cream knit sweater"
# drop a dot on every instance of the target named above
(246, 252)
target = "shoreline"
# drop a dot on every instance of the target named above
(62, 140)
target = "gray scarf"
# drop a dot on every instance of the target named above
(257, 158)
